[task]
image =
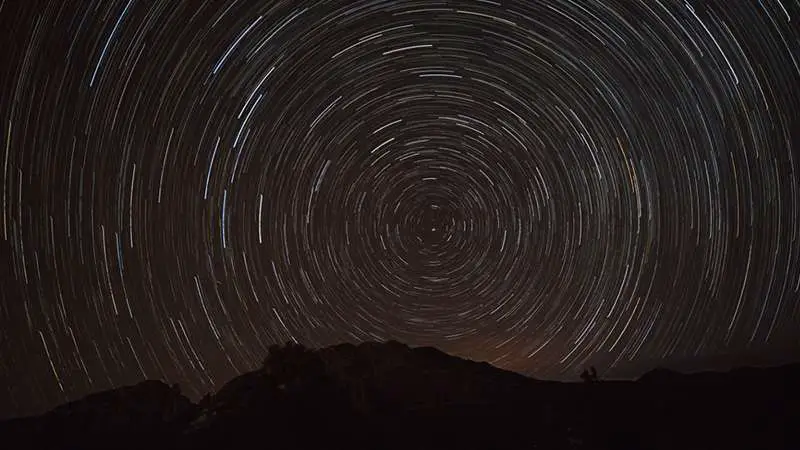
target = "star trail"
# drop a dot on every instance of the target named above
(538, 184)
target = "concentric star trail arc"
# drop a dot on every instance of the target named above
(542, 185)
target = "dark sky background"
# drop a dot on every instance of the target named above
(542, 185)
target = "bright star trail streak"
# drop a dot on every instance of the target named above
(543, 185)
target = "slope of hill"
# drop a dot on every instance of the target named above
(390, 396)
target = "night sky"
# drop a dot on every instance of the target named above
(539, 184)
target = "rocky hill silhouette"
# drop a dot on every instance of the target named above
(391, 396)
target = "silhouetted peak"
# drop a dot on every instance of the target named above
(349, 348)
(150, 398)
(391, 353)
(659, 375)
(784, 373)
(241, 388)
(123, 418)
(390, 395)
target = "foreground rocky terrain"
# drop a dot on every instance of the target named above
(390, 396)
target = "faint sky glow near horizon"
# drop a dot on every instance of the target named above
(542, 185)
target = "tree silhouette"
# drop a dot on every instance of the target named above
(590, 375)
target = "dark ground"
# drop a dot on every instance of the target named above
(389, 396)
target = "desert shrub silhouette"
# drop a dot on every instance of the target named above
(589, 375)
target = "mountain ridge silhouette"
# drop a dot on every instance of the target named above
(389, 395)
